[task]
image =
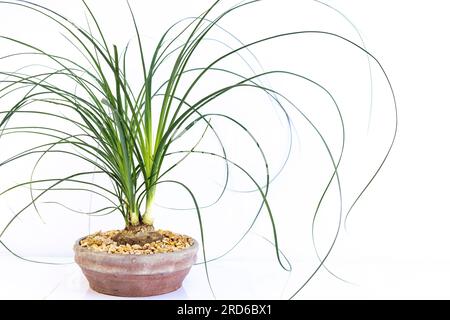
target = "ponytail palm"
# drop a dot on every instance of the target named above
(126, 133)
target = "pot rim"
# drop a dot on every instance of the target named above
(80, 250)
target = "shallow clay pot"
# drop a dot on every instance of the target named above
(135, 275)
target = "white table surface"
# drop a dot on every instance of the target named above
(393, 280)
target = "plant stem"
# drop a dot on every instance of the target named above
(147, 217)
(134, 218)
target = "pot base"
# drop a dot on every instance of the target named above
(135, 285)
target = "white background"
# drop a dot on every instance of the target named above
(397, 239)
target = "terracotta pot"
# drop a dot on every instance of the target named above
(135, 275)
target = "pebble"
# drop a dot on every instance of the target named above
(102, 242)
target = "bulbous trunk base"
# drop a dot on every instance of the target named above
(140, 234)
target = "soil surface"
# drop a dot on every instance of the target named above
(136, 241)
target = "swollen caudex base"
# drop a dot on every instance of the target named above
(147, 218)
(134, 219)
